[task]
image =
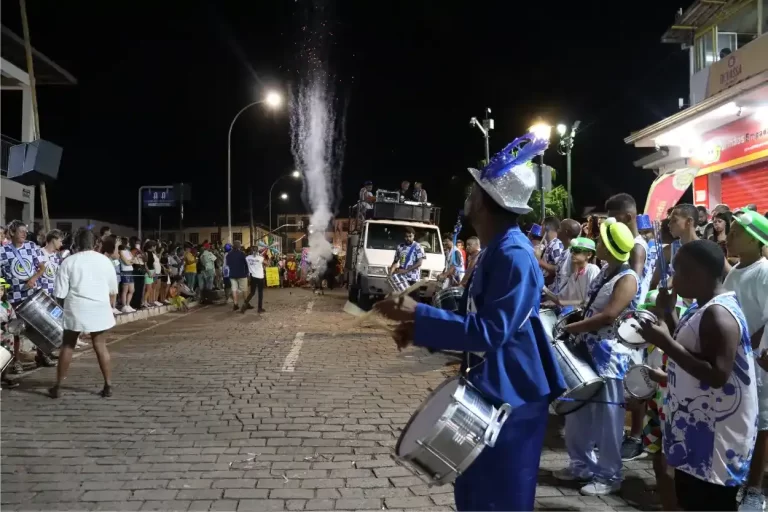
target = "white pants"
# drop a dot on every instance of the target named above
(600, 425)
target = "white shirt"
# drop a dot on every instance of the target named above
(85, 281)
(576, 285)
(751, 287)
(255, 265)
(363, 196)
(648, 268)
(126, 254)
(709, 432)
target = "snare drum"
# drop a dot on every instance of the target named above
(448, 299)
(574, 316)
(398, 283)
(549, 320)
(449, 430)
(580, 379)
(627, 327)
(637, 382)
(6, 356)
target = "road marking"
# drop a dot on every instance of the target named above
(121, 338)
(310, 306)
(289, 364)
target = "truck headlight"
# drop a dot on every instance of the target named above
(377, 271)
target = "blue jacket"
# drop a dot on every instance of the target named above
(520, 365)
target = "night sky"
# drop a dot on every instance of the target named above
(159, 84)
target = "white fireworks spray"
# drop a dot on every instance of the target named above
(317, 142)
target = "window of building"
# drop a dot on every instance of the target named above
(237, 237)
(64, 226)
(739, 29)
(194, 238)
(704, 49)
(215, 238)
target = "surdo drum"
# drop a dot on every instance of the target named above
(449, 430)
(549, 320)
(580, 379)
(558, 332)
(398, 283)
(448, 299)
(42, 317)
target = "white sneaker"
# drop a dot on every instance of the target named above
(116, 311)
(128, 309)
(752, 500)
(567, 475)
(158, 303)
(595, 488)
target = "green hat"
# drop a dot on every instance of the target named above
(753, 223)
(583, 243)
(650, 302)
(617, 238)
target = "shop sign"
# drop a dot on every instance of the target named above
(736, 143)
(744, 63)
(666, 191)
(26, 193)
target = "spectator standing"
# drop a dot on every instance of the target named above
(721, 226)
(190, 267)
(208, 261)
(238, 275)
(86, 282)
(21, 267)
(139, 274)
(126, 278)
(419, 194)
(256, 272)
(703, 220)
(50, 257)
(109, 249)
(105, 232)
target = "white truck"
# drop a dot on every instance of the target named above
(371, 253)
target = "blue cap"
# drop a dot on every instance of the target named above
(535, 231)
(644, 222)
(368, 183)
(227, 247)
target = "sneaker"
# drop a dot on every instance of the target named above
(595, 488)
(247, 306)
(752, 500)
(16, 368)
(567, 475)
(262, 310)
(44, 361)
(158, 303)
(235, 308)
(631, 448)
(116, 311)
(128, 309)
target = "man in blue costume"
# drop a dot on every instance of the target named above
(502, 320)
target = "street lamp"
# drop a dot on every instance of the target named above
(541, 131)
(564, 148)
(486, 126)
(272, 100)
(294, 175)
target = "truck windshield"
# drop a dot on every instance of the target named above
(389, 236)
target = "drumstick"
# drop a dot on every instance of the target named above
(373, 312)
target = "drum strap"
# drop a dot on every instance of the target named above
(605, 281)
(410, 253)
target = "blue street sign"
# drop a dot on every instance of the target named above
(158, 197)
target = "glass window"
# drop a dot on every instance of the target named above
(389, 236)
(215, 238)
(738, 30)
(705, 54)
(194, 238)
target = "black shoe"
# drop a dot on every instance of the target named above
(631, 448)
(54, 392)
(247, 306)
(262, 310)
(107, 391)
(235, 308)
(45, 361)
(242, 309)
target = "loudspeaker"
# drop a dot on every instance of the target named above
(34, 162)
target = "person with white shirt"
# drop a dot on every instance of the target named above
(85, 282)
(126, 276)
(749, 280)
(711, 407)
(574, 291)
(256, 276)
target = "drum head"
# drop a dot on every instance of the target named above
(574, 316)
(638, 384)
(577, 397)
(426, 417)
(627, 327)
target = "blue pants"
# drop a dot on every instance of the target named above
(597, 425)
(504, 477)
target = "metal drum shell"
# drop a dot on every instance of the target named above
(574, 316)
(448, 299)
(456, 421)
(582, 381)
(6, 356)
(548, 318)
(43, 318)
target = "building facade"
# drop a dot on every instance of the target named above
(722, 136)
(294, 228)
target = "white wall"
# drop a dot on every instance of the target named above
(9, 189)
(77, 223)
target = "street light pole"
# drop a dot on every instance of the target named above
(485, 127)
(541, 131)
(566, 145)
(294, 174)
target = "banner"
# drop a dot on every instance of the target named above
(666, 191)
(273, 276)
(742, 141)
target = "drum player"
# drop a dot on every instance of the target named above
(600, 423)
(502, 320)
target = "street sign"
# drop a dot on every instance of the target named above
(158, 197)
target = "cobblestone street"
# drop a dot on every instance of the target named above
(295, 409)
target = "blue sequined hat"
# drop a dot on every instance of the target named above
(644, 222)
(536, 231)
(508, 178)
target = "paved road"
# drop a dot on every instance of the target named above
(292, 410)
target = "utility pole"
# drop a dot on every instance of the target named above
(564, 148)
(485, 127)
(250, 206)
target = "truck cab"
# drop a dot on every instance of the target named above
(372, 246)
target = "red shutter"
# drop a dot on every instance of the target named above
(746, 186)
